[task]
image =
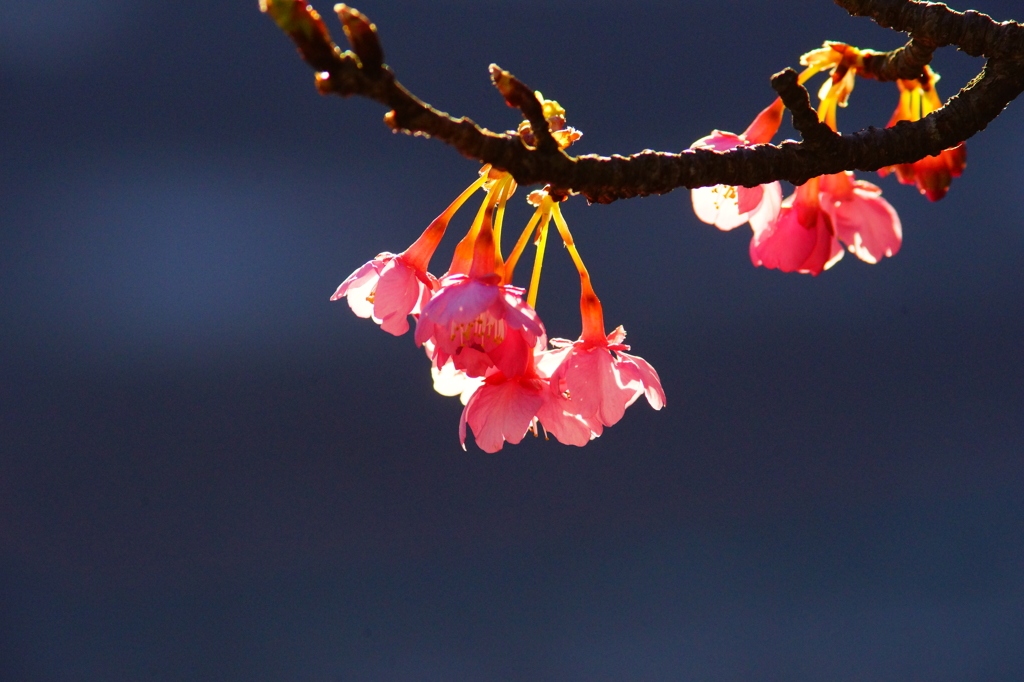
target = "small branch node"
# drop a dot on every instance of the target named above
(518, 96)
(805, 120)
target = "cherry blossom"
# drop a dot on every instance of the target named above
(473, 314)
(387, 289)
(725, 206)
(822, 212)
(860, 217)
(508, 405)
(391, 287)
(933, 174)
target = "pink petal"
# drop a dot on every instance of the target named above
(594, 386)
(547, 362)
(566, 427)
(784, 244)
(768, 209)
(719, 141)
(519, 315)
(460, 302)
(359, 286)
(749, 198)
(398, 292)
(788, 245)
(648, 377)
(867, 223)
(500, 412)
(512, 356)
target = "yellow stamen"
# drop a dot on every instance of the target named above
(542, 241)
(508, 187)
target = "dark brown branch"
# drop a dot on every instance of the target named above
(906, 62)
(605, 179)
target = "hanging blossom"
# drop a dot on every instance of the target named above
(574, 390)
(482, 334)
(504, 392)
(391, 287)
(473, 314)
(806, 233)
(933, 174)
(594, 373)
(726, 206)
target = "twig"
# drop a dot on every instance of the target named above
(605, 179)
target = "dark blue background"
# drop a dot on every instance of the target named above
(208, 471)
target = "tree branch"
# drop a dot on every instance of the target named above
(604, 179)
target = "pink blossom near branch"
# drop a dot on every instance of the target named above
(727, 206)
(861, 218)
(800, 239)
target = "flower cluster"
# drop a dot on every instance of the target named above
(483, 336)
(806, 231)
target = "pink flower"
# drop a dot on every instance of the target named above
(805, 236)
(469, 318)
(800, 238)
(388, 289)
(472, 315)
(726, 206)
(508, 405)
(600, 380)
(861, 218)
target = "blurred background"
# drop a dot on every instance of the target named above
(209, 471)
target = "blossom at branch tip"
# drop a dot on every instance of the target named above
(726, 206)
(387, 289)
(933, 174)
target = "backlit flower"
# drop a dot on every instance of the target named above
(507, 405)
(726, 206)
(933, 174)
(805, 235)
(391, 287)
(471, 315)
(861, 218)
(387, 289)
(800, 238)
(595, 374)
